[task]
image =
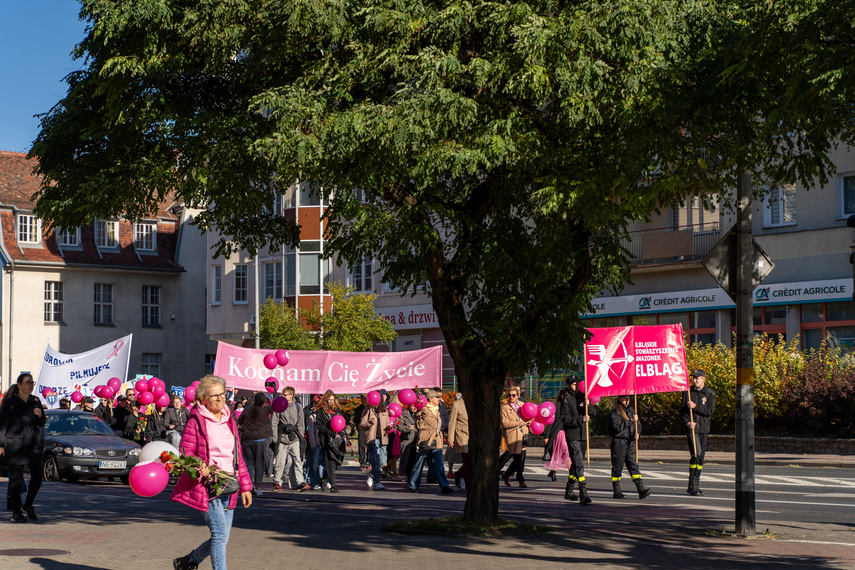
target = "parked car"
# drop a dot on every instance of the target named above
(79, 445)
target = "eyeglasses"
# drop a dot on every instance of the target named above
(513, 395)
(220, 396)
(28, 383)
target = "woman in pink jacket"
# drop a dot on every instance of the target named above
(211, 435)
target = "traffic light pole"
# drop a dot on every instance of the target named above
(745, 494)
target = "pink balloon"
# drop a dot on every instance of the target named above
(190, 394)
(280, 404)
(107, 392)
(141, 386)
(421, 402)
(195, 383)
(275, 387)
(149, 479)
(550, 421)
(395, 409)
(97, 390)
(407, 397)
(158, 390)
(76, 396)
(282, 358)
(238, 412)
(546, 410)
(145, 398)
(536, 428)
(270, 361)
(163, 400)
(528, 411)
(115, 384)
(337, 423)
(373, 398)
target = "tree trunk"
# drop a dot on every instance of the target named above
(481, 394)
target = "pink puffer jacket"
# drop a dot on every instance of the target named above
(195, 442)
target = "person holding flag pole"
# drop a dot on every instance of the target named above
(697, 407)
(572, 412)
(623, 428)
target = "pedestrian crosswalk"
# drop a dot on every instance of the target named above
(676, 475)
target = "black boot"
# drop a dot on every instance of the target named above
(584, 499)
(642, 492)
(698, 482)
(568, 491)
(618, 494)
(693, 483)
(184, 563)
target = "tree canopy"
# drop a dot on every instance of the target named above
(493, 153)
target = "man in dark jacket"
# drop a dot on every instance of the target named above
(105, 412)
(288, 428)
(360, 435)
(571, 412)
(697, 408)
(622, 428)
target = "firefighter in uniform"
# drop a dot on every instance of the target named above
(700, 399)
(571, 412)
(622, 428)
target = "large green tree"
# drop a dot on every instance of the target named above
(499, 148)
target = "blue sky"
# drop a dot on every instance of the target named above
(36, 39)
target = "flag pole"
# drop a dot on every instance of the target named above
(587, 429)
(635, 402)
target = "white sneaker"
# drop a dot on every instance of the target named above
(371, 481)
(379, 487)
(329, 486)
(316, 488)
(463, 484)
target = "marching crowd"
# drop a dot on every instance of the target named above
(301, 447)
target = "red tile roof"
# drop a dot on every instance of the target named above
(18, 184)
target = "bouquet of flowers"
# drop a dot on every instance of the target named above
(216, 482)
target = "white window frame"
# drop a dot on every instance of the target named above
(29, 229)
(54, 301)
(106, 234)
(151, 298)
(840, 183)
(68, 237)
(775, 204)
(361, 275)
(145, 236)
(216, 284)
(273, 280)
(241, 284)
(103, 304)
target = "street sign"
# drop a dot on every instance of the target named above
(721, 263)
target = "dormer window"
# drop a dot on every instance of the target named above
(145, 236)
(29, 229)
(106, 233)
(68, 237)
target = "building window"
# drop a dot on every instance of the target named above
(771, 321)
(29, 228)
(273, 280)
(780, 207)
(151, 364)
(103, 304)
(241, 283)
(150, 305)
(290, 273)
(832, 322)
(53, 301)
(68, 237)
(210, 359)
(106, 233)
(361, 275)
(216, 284)
(145, 236)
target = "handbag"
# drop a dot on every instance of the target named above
(526, 440)
(232, 484)
(425, 446)
(547, 455)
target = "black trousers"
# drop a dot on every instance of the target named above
(696, 461)
(360, 439)
(254, 453)
(16, 479)
(503, 459)
(623, 453)
(517, 466)
(577, 456)
(329, 460)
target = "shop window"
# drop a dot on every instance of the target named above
(840, 311)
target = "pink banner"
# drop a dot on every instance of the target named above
(635, 360)
(316, 371)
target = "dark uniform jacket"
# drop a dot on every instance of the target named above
(704, 408)
(571, 410)
(105, 414)
(620, 428)
(21, 434)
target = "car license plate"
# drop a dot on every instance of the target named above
(112, 464)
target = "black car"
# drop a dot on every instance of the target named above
(79, 445)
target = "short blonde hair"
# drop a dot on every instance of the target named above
(206, 383)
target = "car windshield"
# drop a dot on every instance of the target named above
(76, 424)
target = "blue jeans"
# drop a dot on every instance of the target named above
(219, 520)
(377, 454)
(435, 468)
(314, 459)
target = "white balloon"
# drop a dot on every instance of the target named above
(151, 451)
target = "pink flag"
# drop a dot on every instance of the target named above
(635, 360)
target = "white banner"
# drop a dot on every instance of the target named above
(62, 374)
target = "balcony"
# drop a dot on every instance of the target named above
(672, 245)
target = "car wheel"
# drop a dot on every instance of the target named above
(51, 469)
